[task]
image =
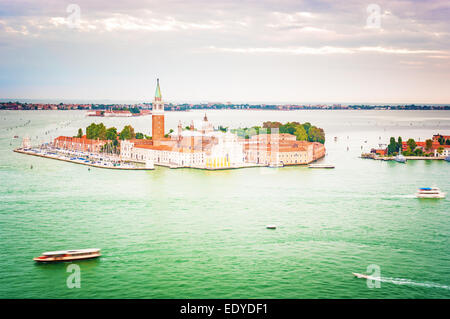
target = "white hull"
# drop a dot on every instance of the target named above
(442, 195)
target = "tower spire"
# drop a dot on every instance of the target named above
(158, 90)
(157, 116)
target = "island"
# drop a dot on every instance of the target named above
(198, 145)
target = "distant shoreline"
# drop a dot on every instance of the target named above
(249, 109)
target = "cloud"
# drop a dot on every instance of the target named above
(204, 38)
(326, 50)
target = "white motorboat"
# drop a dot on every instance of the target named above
(429, 192)
(68, 255)
(364, 276)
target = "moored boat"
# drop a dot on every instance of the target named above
(400, 158)
(429, 192)
(68, 255)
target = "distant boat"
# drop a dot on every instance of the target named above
(429, 192)
(68, 255)
(271, 227)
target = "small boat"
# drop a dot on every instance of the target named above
(271, 226)
(429, 192)
(447, 158)
(68, 255)
(362, 276)
(320, 166)
(400, 158)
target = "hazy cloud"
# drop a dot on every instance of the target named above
(202, 38)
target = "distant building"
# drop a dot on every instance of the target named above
(82, 144)
(284, 149)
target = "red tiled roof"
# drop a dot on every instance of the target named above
(79, 140)
(155, 147)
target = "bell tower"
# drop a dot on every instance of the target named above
(157, 116)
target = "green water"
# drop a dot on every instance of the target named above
(186, 233)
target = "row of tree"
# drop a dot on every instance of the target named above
(443, 141)
(99, 131)
(302, 132)
(395, 147)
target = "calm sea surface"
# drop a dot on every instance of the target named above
(185, 233)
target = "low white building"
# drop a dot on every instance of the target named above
(188, 148)
(445, 151)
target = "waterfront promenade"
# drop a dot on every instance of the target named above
(99, 164)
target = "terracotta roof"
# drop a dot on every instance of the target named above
(155, 147)
(80, 140)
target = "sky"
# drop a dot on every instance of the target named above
(241, 51)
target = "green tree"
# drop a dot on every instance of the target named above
(101, 129)
(127, 133)
(316, 134)
(428, 144)
(91, 131)
(96, 131)
(80, 133)
(139, 136)
(111, 134)
(392, 147)
(307, 126)
(411, 144)
(270, 124)
(440, 150)
(301, 134)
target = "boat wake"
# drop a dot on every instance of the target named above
(407, 282)
(402, 196)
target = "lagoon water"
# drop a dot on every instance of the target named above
(185, 233)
